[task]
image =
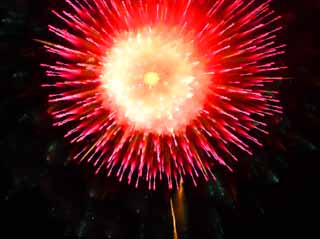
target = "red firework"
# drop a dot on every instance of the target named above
(164, 87)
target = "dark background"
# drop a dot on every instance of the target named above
(42, 195)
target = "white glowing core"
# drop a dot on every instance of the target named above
(154, 80)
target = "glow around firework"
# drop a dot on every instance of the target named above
(163, 88)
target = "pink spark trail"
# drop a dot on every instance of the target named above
(161, 89)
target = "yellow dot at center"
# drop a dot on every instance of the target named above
(151, 78)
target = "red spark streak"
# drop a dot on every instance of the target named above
(235, 40)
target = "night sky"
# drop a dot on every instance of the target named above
(43, 194)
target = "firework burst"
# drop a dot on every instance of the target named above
(164, 88)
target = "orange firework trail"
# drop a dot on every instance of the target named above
(161, 89)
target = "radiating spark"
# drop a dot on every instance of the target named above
(180, 208)
(175, 233)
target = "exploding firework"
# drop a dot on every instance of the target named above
(164, 88)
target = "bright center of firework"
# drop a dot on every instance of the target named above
(151, 78)
(154, 80)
